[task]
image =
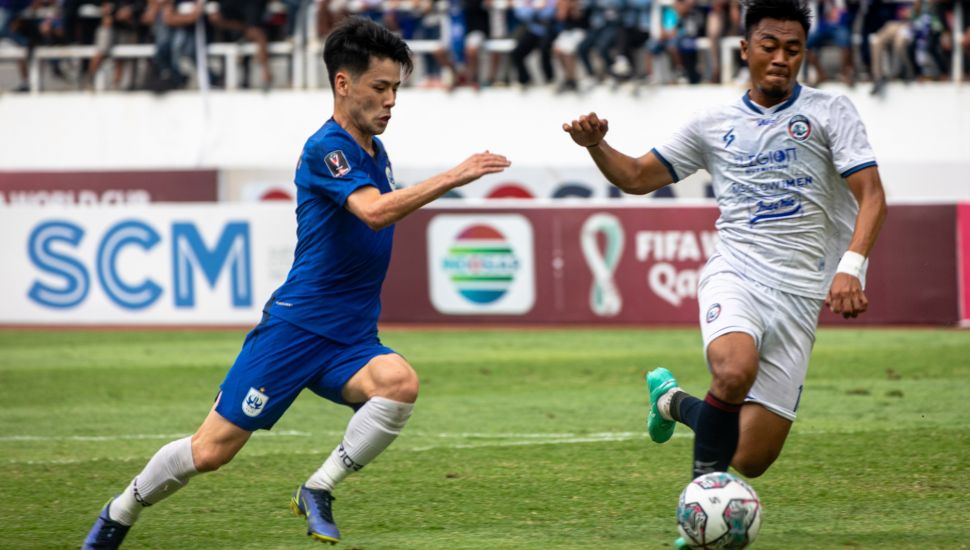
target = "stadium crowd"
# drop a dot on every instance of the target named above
(481, 43)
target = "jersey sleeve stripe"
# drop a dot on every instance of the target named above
(855, 169)
(670, 167)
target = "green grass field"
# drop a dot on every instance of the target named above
(522, 439)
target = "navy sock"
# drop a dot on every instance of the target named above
(685, 408)
(716, 431)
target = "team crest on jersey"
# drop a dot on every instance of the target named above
(337, 164)
(713, 312)
(390, 177)
(799, 128)
(254, 402)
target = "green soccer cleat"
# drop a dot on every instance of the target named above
(680, 543)
(659, 382)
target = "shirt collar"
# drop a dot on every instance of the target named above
(777, 108)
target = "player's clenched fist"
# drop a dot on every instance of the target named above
(846, 296)
(588, 130)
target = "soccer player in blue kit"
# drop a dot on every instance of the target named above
(801, 204)
(319, 329)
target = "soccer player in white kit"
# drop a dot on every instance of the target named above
(801, 204)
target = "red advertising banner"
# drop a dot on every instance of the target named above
(107, 188)
(963, 251)
(628, 265)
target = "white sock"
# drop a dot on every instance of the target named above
(663, 404)
(372, 428)
(168, 471)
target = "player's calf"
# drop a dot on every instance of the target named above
(762, 438)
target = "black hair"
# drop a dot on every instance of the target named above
(353, 43)
(782, 10)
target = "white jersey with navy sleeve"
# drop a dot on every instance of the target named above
(787, 214)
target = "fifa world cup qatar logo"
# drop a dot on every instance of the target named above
(604, 297)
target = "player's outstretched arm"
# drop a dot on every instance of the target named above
(846, 295)
(381, 210)
(637, 176)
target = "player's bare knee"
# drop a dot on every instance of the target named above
(731, 382)
(754, 463)
(752, 468)
(395, 380)
(209, 458)
(403, 386)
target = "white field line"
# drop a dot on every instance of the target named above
(129, 437)
(452, 440)
(569, 439)
(461, 441)
(295, 433)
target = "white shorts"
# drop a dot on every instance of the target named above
(782, 325)
(474, 39)
(568, 41)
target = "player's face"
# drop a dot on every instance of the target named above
(774, 56)
(371, 95)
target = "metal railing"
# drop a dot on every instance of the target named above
(304, 48)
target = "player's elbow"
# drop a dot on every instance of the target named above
(634, 184)
(644, 181)
(632, 188)
(375, 218)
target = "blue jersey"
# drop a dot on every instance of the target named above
(334, 286)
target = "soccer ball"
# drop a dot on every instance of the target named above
(718, 510)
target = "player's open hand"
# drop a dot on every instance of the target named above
(587, 130)
(478, 165)
(846, 296)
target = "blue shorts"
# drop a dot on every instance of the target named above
(278, 359)
(829, 33)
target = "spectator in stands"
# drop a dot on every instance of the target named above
(604, 25)
(833, 26)
(372, 9)
(420, 20)
(723, 19)
(42, 25)
(80, 20)
(895, 35)
(174, 29)
(681, 26)
(572, 17)
(245, 17)
(537, 31)
(926, 50)
(630, 40)
(962, 37)
(10, 29)
(329, 13)
(478, 29)
(120, 24)
(296, 11)
(690, 27)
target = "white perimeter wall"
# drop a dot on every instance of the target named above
(921, 133)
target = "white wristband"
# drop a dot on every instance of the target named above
(853, 264)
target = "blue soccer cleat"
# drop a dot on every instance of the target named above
(315, 506)
(681, 543)
(106, 533)
(659, 382)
